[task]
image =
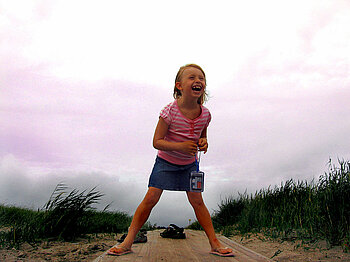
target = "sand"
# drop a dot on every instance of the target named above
(87, 249)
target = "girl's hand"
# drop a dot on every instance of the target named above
(188, 147)
(203, 144)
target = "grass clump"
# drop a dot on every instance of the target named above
(17, 224)
(65, 216)
(296, 209)
(333, 199)
(195, 226)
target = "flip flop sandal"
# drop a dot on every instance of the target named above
(175, 226)
(167, 232)
(124, 251)
(140, 238)
(174, 232)
(179, 234)
(121, 239)
(217, 253)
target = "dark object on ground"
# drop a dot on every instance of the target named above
(140, 237)
(173, 231)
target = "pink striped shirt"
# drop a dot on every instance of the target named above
(182, 129)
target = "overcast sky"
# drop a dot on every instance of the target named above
(82, 84)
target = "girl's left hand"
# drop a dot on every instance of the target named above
(203, 144)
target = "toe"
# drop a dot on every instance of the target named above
(118, 250)
(224, 250)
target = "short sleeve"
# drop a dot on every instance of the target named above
(209, 119)
(165, 114)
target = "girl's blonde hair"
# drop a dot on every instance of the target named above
(177, 92)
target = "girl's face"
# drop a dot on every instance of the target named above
(192, 83)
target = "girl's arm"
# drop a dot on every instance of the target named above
(203, 143)
(188, 147)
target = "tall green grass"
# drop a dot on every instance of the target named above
(295, 209)
(65, 216)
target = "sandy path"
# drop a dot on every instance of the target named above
(89, 249)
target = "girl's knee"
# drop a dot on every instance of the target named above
(195, 199)
(150, 201)
(152, 198)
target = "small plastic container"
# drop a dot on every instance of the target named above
(197, 181)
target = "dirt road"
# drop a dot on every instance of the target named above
(194, 248)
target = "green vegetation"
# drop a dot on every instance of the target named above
(308, 211)
(296, 210)
(65, 216)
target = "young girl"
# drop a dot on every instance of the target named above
(181, 131)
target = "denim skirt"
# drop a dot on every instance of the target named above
(169, 176)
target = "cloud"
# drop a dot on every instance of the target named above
(50, 119)
(274, 122)
(82, 98)
(25, 186)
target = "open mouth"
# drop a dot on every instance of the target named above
(197, 88)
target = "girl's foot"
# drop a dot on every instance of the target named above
(118, 251)
(222, 252)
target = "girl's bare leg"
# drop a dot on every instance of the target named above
(141, 215)
(204, 220)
